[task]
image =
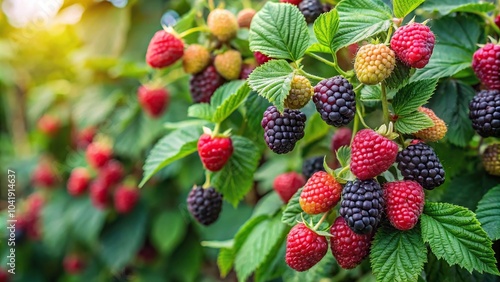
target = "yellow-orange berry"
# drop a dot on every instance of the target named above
(374, 63)
(196, 58)
(300, 93)
(433, 133)
(222, 24)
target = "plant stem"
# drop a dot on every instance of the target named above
(216, 129)
(211, 5)
(358, 112)
(389, 33)
(385, 104)
(207, 179)
(325, 215)
(355, 126)
(311, 76)
(193, 30)
(329, 63)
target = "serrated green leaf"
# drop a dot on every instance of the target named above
(292, 211)
(226, 256)
(454, 234)
(170, 148)
(272, 81)
(318, 48)
(264, 238)
(403, 7)
(456, 39)
(488, 213)
(201, 111)
(279, 31)
(359, 20)
(474, 8)
(413, 122)
(397, 255)
(254, 107)
(344, 156)
(316, 129)
(451, 104)
(325, 27)
(399, 76)
(168, 230)
(445, 7)
(412, 96)
(236, 177)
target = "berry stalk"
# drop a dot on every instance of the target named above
(385, 104)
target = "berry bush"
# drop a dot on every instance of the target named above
(202, 140)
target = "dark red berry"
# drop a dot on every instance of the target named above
(203, 85)
(304, 248)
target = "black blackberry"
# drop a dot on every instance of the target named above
(311, 9)
(282, 131)
(335, 100)
(203, 85)
(485, 113)
(205, 204)
(312, 165)
(362, 205)
(419, 162)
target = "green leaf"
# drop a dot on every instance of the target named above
(344, 156)
(451, 104)
(316, 129)
(258, 246)
(403, 7)
(86, 221)
(316, 47)
(412, 96)
(359, 20)
(236, 178)
(454, 234)
(170, 148)
(55, 224)
(223, 103)
(279, 31)
(399, 76)
(412, 123)
(445, 7)
(488, 213)
(456, 39)
(272, 81)
(123, 238)
(325, 28)
(226, 256)
(397, 255)
(292, 212)
(168, 230)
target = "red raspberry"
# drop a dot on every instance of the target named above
(34, 205)
(413, 44)
(49, 125)
(85, 137)
(154, 101)
(348, 247)
(126, 198)
(287, 184)
(4, 275)
(73, 264)
(147, 253)
(485, 63)
(99, 194)
(98, 154)
(78, 181)
(44, 175)
(203, 85)
(371, 154)
(304, 248)
(246, 70)
(261, 58)
(320, 194)
(293, 2)
(341, 137)
(112, 172)
(497, 20)
(404, 203)
(214, 151)
(164, 49)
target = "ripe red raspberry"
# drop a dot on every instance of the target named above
(49, 125)
(78, 181)
(44, 175)
(112, 172)
(203, 85)
(147, 253)
(34, 205)
(287, 184)
(73, 264)
(413, 44)
(214, 151)
(374, 63)
(164, 49)
(126, 198)
(320, 194)
(371, 154)
(245, 17)
(261, 58)
(99, 194)
(348, 247)
(497, 20)
(304, 248)
(222, 24)
(404, 203)
(98, 154)
(485, 64)
(341, 137)
(4, 275)
(246, 70)
(85, 136)
(153, 100)
(294, 2)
